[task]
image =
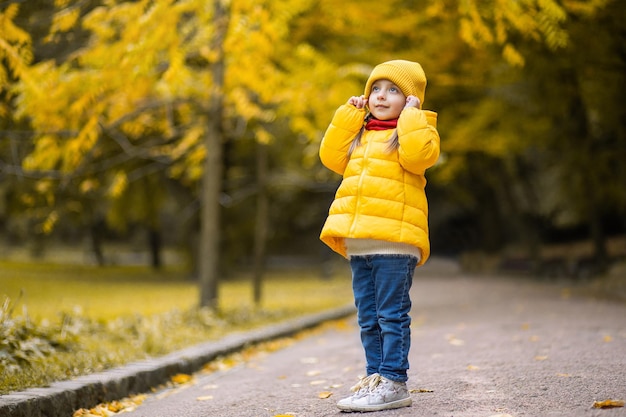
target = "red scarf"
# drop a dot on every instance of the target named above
(375, 124)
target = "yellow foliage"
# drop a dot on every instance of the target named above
(585, 7)
(48, 225)
(76, 148)
(486, 22)
(15, 47)
(118, 184)
(111, 408)
(512, 55)
(88, 185)
(263, 136)
(192, 137)
(46, 155)
(65, 19)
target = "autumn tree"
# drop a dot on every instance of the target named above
(154, 95)
(511, 157)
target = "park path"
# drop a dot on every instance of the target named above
(481, 347)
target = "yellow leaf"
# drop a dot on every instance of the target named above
(118, 184)
(65, 19)
(88, 185)
(49, 223)
(263, 136)
(181, 378)
(456, 342)
(472, 368)
(205, 398)
(608, 404)
(324, 394)
(541, 358)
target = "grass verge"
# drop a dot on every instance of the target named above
(61, 321)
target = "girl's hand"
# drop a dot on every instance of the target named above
(358, 102)
(412, 101)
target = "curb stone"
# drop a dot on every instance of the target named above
(62, 398)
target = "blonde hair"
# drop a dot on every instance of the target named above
(392, 143)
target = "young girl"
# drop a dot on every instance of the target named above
(381, 143)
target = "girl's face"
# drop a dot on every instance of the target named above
(386, 101)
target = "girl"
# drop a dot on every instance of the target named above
(381, 143)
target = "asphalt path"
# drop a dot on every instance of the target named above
(481, 347)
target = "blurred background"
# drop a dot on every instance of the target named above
(186, 132)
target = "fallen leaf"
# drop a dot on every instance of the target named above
(181, 378)
(111, 408)
(313, 373)
(205, 398)
(324, 394)
(608, 404)
(413, 391)
(454, 341)
(472, 368)
(607, 338)
(541, 358)
(318, 382)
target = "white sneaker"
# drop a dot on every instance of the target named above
(375, 393)
(360, 389)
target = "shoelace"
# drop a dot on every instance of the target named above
(369, 382)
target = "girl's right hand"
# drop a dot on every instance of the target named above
(358, 101)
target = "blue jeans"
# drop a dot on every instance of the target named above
(381, 285)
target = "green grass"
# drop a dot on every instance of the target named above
(66, 320)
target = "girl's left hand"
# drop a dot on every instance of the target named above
(412, 101)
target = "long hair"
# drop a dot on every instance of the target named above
(392, 143)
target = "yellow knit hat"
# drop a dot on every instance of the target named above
(407, 75)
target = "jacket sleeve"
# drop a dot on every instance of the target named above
(418, 139)
(336, 142)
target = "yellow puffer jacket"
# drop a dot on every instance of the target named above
(382, 193)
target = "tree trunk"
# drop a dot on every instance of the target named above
(212, 175)
(95, 236)
(154, 243)
(260, 232)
